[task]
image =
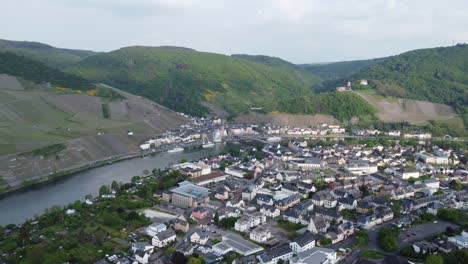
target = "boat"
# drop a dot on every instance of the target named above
(208, 145)
(174, 150)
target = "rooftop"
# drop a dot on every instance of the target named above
(188, 189)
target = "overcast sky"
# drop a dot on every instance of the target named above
(300, 31)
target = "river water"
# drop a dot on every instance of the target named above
(19, 206)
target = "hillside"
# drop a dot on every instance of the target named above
(438, 75)
(90, 127)
(342, 106)
(338, 70)
(182, 78)
(38, 72)
(51, 56)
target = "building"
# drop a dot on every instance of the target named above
(181, 224)
(288, 202)
(153, 229)
(314, 256)
(361, 168)
(164, 238)
(406, 173)
(273, 255)
(270, 211)
(461, 241)
(260, 234)
(199, 237)
(187, 195)
(231, 242)
(428, 158)
(303, 242)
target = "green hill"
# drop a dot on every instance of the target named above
(338, 70)
(342, 106)
(438, 75)
(54, 57)
(38, 72)
(181, 78)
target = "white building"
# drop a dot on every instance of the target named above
(303, 242)
(260, 234)
(461, 241)
(361, 169)
(314, 256)
(407, 173)
(164, 238)
(154, 229)
(428, 158)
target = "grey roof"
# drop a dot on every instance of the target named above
(314, 255)
(241, 245)
(305, 239)
(165, 234)
(272, 253)
(188, 189)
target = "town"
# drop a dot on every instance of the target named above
(299, 195)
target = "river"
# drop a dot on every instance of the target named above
(15, 208)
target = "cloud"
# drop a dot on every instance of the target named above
(297, 30)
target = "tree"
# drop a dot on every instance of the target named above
(145, 172)
(115, 186)
(195, 260)
(179, 258)
(104, 190)
(388, 238)
(135, 178)
(434, 259)
(325, 241)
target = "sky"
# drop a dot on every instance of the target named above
(301, 31)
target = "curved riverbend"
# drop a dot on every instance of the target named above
(22, 205)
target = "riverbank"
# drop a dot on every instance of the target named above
(66, 172)
(27, 202)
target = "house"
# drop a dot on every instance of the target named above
(181, 224)
(153, 229)
(199, 213)
(314, 256)
(229, 212)
(143, 246)
(330, 202)
(461, 241)
(303, 242)
(260, 234)
(318, 224)
(364, 207)
(273, 255)
(199, 237)
(142, 257)
(292, 216)
(361, 168)
(347, 203)
(235, 203)
(264, 199)
(406, 173)
(248, 221)
(329, 214)
(270, 211)
(164, 238)
(424, 247)
(369, 221)
(433, 159)
(319, 197)
(288, 202)
(249, 192)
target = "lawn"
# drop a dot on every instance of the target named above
(371, 254)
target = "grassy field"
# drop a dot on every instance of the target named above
(371, 254)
